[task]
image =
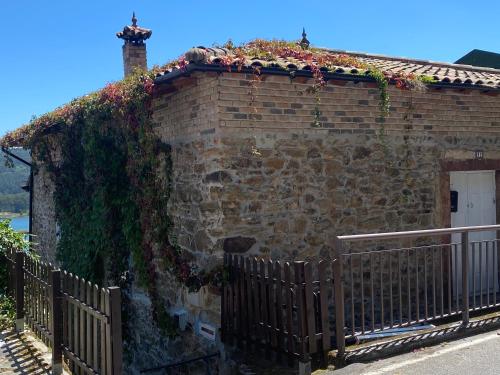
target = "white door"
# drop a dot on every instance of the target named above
(476, 206)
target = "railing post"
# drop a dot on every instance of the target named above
(338, 290)
(116, 329)
(465, 278)
(339, 306)
(19, 278)
(56, 321)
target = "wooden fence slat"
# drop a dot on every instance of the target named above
(243, 305)
(272, 303)
(56, 321)
(289, 309)
(109, 364)
(223, 301)
(35, 296)
(19, 291)
(28, 292)
(279, 307)
(323, 296)
(309, 308)
(89, 300)
(82, 353)
(95, 327)
(103, 333)
(116, 324)
(71, 317)
(249, 326)
(264, 302)
(230, 300)
(64, 284)
(76, 321)
(301, 313)
(37, 293)
(236, 298)
(256, 300)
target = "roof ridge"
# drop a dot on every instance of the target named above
(413, 60)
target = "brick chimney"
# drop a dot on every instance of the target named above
(134, 48)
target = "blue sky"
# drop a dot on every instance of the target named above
(53, 51)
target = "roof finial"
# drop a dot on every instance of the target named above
(304, 43)
(133, 33)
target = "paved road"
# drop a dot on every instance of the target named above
(477, 355)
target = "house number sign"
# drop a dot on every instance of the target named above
(478, 154)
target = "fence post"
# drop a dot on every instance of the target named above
(338, 290)
(339, 306)
(304, 358)
(115, 316)
(223, 303)
(465, 278)
(19, 278)
(56, 321)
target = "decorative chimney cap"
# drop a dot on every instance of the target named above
(134, 34)
(304, 43)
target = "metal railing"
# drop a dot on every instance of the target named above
(386, 287)
(375, 283)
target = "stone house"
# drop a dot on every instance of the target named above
(263, 165)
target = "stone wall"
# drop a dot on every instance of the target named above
(44, 215)
(270, 182)
(253, 174)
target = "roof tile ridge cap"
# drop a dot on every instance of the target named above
(412, 60)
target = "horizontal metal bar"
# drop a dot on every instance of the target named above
(401, 249)
(417, 233)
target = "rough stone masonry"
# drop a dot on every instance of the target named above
(259, 177)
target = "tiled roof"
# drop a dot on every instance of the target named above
(447, 73)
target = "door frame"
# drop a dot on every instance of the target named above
(448, 166)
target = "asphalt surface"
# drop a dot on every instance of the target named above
(476, 355)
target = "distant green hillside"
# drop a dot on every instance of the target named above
(12, 197)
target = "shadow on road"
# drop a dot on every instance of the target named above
(412, 342)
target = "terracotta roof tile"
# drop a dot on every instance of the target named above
(466, 75)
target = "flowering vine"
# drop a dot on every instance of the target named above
(117, 206)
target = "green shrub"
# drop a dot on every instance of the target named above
(9, 240)
(7, 312)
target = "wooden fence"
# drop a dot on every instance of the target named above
(281, 307)
(80, 321)
(303, 309)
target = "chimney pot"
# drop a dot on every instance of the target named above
(134, 48)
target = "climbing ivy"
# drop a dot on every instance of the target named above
(114, 175)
